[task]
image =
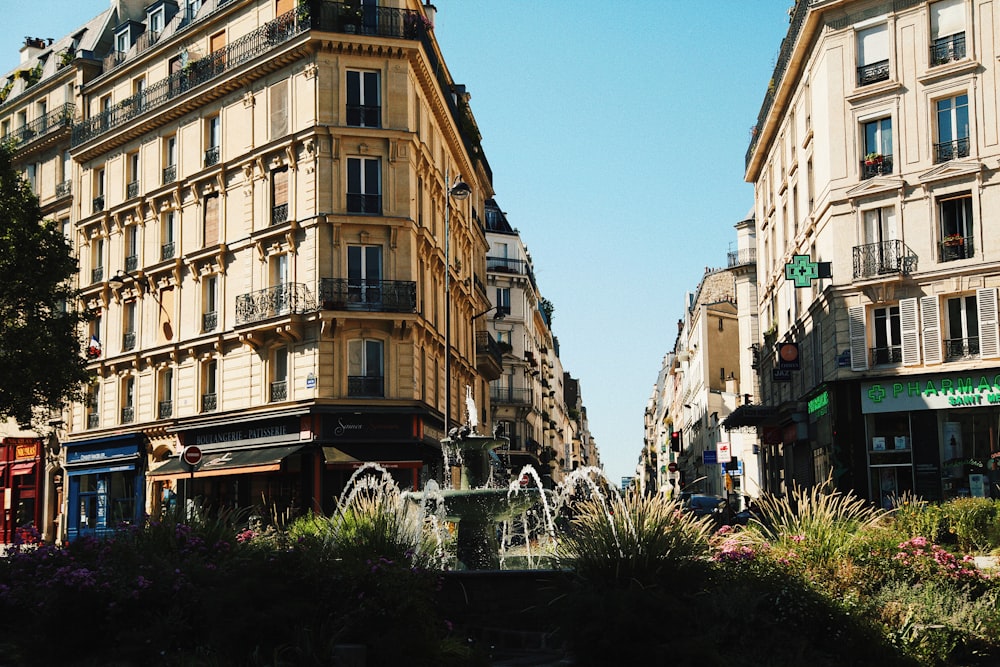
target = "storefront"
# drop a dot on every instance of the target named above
(21, 475)
(106, 484)
(933, 435)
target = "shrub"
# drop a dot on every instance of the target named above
(915, 516)
(973, 522)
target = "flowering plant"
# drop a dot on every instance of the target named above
(953, 239)
(873, 158)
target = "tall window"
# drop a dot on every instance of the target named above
(209, 380)
(211, 219)
(155, 20)
(963, 328)
(128, 400)
(212, 138)
(363, 106)
(878, 148)
(279, 196)
(132, 185)
(279, 374)
(888, 336)
(128, 326)
(364, 185)
(169, 159)
(952, 128)
(364, 367)
(97, 260)
(210, 296)
(947, 31)
(98, 186)
(879, 252)
(167, 231)
(503, 301)
(122, 41)
(132, 247)
(281, 290)
(165, 407)
(873, 55)
(955, 217)
(364, 275)
(94, 406)
(279, 109)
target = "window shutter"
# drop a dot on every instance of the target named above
(279, 109)
(989, 331)
(211, 220)
(910, 330)
(280, 184)
(930, 322)
(859, 338)
(873, 45)
(947, 18)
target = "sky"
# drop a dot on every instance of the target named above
(616, 131)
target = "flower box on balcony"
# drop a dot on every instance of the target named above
(953, 240)
(873, 158)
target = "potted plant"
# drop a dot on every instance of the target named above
(873, 158)
(953, 240)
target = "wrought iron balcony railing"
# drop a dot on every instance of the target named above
(194, 74)
(506, 265)
(279, 214)
(132, 190)
(948, 49)
(880, 166)
(131, 263)
(949, 150)
(882, 258)
(212, 156)
(364, 203)
(887, 355)
(284, 299)
(97, 205)
(128, 341)
(952, 248)
(209, 321)
(128, 414)
(50, 122)
(63, 189)
(873, 73)
(510, 395)
(366, 386)
(169, 173)
(165, 409)
(744, 257)
(209, 402)
(354, 18)
(386, 296)
(167, 250)
(364, 116)
(961, 348)
(279, 390)
(486, 345)
(97, 274)
(93, 420)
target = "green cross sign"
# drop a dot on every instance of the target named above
(876, 393)
(801, 270)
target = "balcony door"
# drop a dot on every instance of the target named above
(364, 276)
(279, 284)
(880, 239)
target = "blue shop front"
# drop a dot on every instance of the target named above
(106, 484)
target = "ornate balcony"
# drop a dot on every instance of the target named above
(64, 189)
(955, 247)
(510, 395)
(744, 257)
(209, 321)
(385, 296)
(128, 414)
(873, 73)
(97, 274)
(279, 390)
(279, 214)
(949, 150)
(132, 190)
(131, 263)
(892, 354)
(883, 258)
(165, 409)
(506, 265)
(209, 402)
(956, 349)
(284, 299)
(879, 166)
(167, 251)
(948, 49)
(212, 156)
(93, 420)
(169, 173)
(370, 386)
(97, 205)
(48, 124)
(489, 357)
(128, 341)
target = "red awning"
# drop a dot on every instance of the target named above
(23, 468)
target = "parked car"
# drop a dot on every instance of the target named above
(703, 505)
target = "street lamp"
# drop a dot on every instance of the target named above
(459, 191)
(120, 276)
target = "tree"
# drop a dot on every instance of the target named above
(41, 365)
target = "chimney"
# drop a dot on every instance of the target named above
(32, 47)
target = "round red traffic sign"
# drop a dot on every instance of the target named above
(191, 455)
(672, 467)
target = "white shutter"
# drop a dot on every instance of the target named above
(989, 331)
(910, 331)
(873, 45)
(930, 323)
(355, 357)
(947, 18)
(859, 338)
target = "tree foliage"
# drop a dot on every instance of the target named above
(41, 366)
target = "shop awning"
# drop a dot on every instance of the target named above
(386, 457)
(749, 415)
(230, 462)
(23, 468)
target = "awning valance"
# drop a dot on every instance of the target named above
(230, 462)
(749, 415)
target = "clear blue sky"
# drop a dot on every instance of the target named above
(616, 131)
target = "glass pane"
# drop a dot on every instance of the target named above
(373, 263)
(355, 358)
(353, 88)
(373, 358)
(371, 89)
(371, 177)
(354, 175)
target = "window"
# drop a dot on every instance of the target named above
(279, 196)
(879, 252)
(947, 31)
(94, 406)
(878, 148)
(97, 260)
(128, 326)
(167, 227)
(31, 175)
(94, 345)
(955, 216)
(364, 191)
(283, 6)
(952, 128)
(66, 167)
(279, 374)
(873, 55)
(364, 275)
(210, 295)
(132, 187)
(888, 339)
(280, 288)
(122, 41)
(962, 336)
(209, 380)
(279, 109)
(128, 399)
(98, 188)
(503, 301)
(364, 368)
(155, 20)
(212, 135)
(363, 106)
(165, 407)
(211, 226)
(169, 159)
